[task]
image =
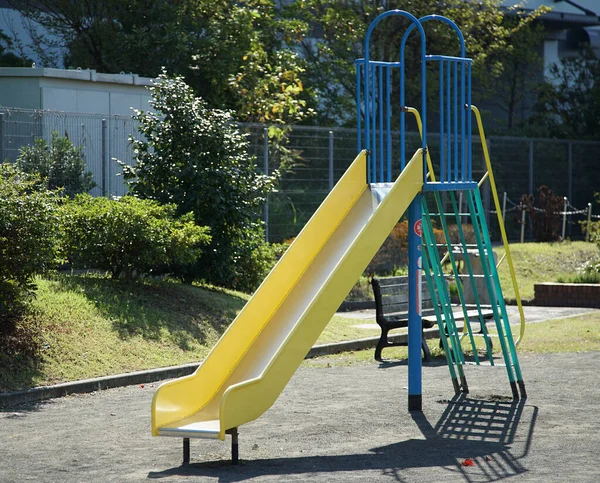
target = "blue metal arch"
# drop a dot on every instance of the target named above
(369, 94)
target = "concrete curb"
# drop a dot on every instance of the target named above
(42, 393)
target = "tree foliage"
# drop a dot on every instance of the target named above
(518, 70)
(196, 158)
(338, 31)
(568, 105)
(28, 237)
(60, 164)
(236, 55)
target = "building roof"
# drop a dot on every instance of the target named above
(88, 75)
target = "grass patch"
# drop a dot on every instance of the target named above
(86, 326)
(343, 328)
(92, 326)
(542, 262)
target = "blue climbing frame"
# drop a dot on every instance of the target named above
(375, 112)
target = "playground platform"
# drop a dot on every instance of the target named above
(344, 423)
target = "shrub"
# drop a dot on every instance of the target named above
(129, 237)
(196, 157)
(544, 219)
(28, 237)
(592, 227)
(61, 164)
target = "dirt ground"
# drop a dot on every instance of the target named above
(339, 424)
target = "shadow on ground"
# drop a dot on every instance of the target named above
(470, 430)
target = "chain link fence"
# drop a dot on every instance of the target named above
(320, 156)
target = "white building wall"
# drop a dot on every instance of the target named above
(80, 91)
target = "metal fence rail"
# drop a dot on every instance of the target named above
(569, 168)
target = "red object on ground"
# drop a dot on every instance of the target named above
(468, 462)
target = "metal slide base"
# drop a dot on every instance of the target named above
(235, 455)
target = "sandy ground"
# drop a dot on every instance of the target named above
(339, 424)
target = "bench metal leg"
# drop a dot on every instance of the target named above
(383, 342)
(425, 348)
(186, 451)
(235, 455)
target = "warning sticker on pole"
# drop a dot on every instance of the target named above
(418, 228)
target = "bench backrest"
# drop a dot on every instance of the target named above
(391, 295)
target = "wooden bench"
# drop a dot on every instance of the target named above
(391, 307)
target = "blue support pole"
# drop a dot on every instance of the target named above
(415, 365)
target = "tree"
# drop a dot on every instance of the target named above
(339, 30)
(568, 104)
(112, 36)
(512, 88)
(236, 55)
(196, 158)
(7, 56)
(60, 164)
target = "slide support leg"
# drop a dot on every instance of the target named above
(414, 306)
(235, 455)
(186, 451)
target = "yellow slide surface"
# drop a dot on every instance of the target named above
(255, 358)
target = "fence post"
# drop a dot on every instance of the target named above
(564, 223)
(587, 232)
(266, 173)
(504, 207)
(570, 179)
(104, 158)
(531, 167)
(330, 160)
(2, 137)
(522, 223)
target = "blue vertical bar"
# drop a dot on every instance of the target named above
(373, 159)
(448, 122)
(442, 167)
(402, 120)
(415, 365)
(388, 105)
(358, 104)
(455, 133)
(469, 124)
(424, 107)
(380, 177)
(463, 153)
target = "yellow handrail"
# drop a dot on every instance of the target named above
(414, 112)
(490, 173)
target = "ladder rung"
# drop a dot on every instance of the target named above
(487, 364)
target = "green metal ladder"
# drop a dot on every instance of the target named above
(475, 323)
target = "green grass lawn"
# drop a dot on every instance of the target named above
(542, 262)
(90, 326)
(93, 326)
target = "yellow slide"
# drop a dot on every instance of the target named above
(255, 358)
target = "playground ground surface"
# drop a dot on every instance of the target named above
(342, 423)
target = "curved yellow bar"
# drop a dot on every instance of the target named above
(490, 173)
(253, 361)
(414, 112)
